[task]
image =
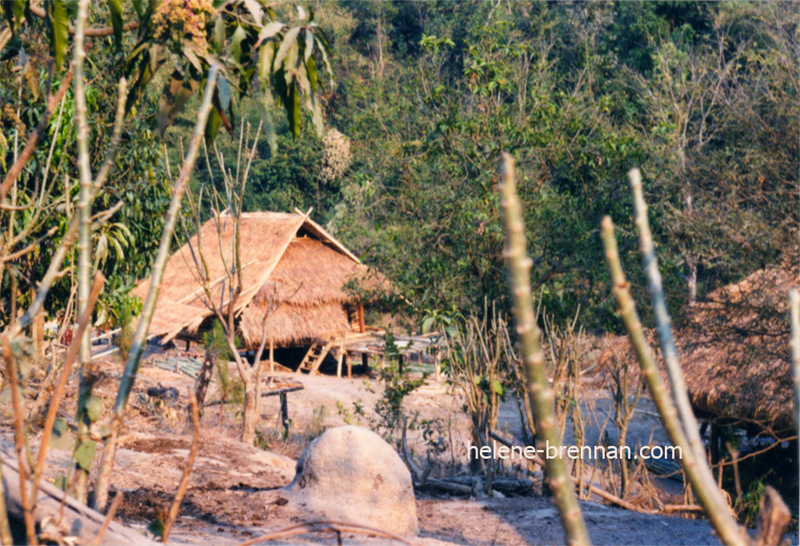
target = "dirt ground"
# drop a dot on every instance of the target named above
(235, 490)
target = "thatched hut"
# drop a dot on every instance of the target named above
(293, 272)
(735, 352)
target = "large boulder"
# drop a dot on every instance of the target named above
(350, 474)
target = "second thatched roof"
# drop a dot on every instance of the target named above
(293, 272)
(735, 352)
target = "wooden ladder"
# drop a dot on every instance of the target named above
(314, 357)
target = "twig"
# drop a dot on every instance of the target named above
(752, 454)
(326, 526)
(542, 398)
(30, 247)
(176, 504)
(30, 146)
(669, 508)
(703, 483)
(19, 438)
(596, 490)
(58, 392)
(115, 504)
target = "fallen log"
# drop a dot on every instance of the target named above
(78, 520)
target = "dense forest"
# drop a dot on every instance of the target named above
(703, 97)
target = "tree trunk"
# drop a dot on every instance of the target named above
(250, 413)
(252, 404)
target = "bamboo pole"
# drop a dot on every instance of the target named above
(140, 337)
(663, 320)
(542, 397)
(703, 482)
(84, 241)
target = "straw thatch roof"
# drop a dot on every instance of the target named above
(289, 264)
(735, 352)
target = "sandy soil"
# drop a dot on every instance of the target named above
(235, 490)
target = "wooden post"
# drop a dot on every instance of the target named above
(349, 360)
(271, 356)
(714, 444)
(362, 327)
(339, 360)
(400, 364)
(365, 363)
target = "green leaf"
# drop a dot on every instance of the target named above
(157, 528)
(224, 91)
(61, 482)
(212, 125)
(219, 35)
(94, 407)
(290, 64)
(497, 387)
(115, 10)
(3, 150)
(265, 56)
(309, 43)
(190, 52)
(269, 124)
(323, 48)
(236, 43)
(311, 70)
(84, 454)
(57, 20)
(269, 31)
(288, 41)
(14, 11)
(426, 325)
(255, 10)
(294, 120)
(139, 8)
